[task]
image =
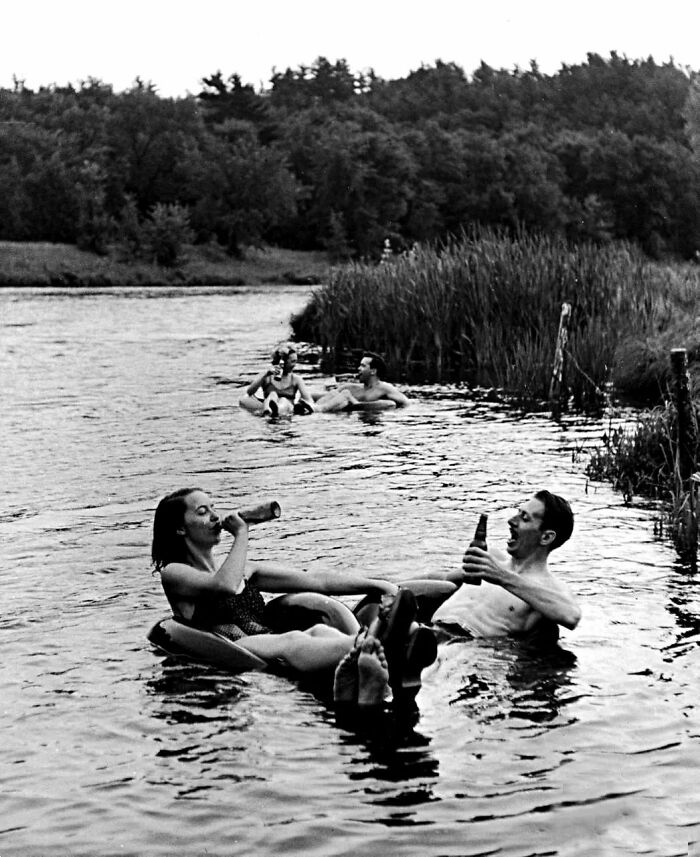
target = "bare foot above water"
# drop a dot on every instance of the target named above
(373, 673)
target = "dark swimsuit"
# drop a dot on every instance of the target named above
(233, 616)
(288, 392)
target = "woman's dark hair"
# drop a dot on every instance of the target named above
(168, 545)
(557, 516)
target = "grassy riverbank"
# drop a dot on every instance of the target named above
(43, 264)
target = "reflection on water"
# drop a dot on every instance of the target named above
(113, 398)
(535, 687)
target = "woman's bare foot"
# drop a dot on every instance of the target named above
(345, 681)
(373, 673)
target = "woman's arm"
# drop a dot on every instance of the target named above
(272, 578)
(232, 570)
(185, 581)
(304, 393)
(258, 382)
(456, 576)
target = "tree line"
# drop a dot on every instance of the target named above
(326, 158)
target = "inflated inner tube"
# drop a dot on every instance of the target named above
(177, 638)
(294, 611)
(377, 405)
(253, 404)
(301, 610)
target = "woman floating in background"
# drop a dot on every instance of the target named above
(285, 392)
(226, 598)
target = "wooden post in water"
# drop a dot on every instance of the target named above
(686, 448)
(557, 386)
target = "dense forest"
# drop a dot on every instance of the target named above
(324, 158)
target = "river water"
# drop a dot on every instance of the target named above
(113, 398)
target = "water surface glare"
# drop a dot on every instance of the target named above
(112, 398)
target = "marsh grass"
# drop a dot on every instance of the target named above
(484, 310)
(641, 458)
(638, 458)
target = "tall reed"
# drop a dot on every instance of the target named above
(641, 458)
(638, 457)
(484, 309)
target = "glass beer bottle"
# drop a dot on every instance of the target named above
(479, 541)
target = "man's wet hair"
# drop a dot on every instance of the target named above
(376, 362)
(557, 516)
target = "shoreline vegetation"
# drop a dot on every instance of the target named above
(599, 153)
(64, 265)
(483, 310)
(479, 311)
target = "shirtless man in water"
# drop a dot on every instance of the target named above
(371, 389)
(518, 594)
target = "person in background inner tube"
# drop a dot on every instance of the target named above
(226, 597)
(371, 389)
(285, 392)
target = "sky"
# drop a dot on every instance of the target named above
(175, 44)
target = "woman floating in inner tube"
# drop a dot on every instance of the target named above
(285, 392)
(226, 598)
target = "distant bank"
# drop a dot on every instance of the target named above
(61, 265)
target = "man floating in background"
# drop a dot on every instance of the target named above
(372, 390)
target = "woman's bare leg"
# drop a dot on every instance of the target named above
(302, 651)
(328, 631)
(271, 404)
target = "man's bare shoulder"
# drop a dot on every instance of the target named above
(391, 391)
